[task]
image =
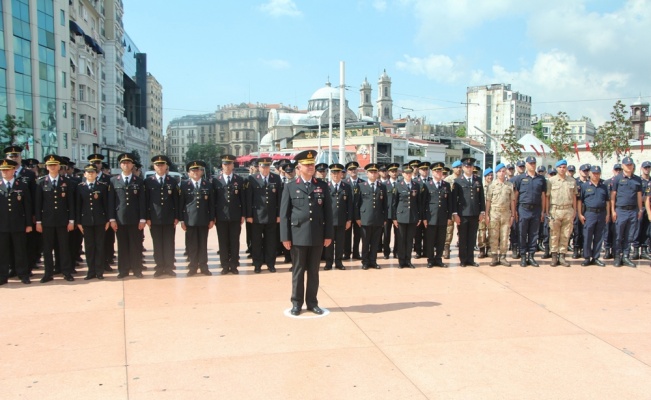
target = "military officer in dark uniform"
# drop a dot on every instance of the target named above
(342, 216)
(76, 238)
(306, 226)
(197, 217)
(15, 222)
(419, 237)
(321, 171)
(596, 200)
(353, 236)
(370, 215)
(162, 214)
(128, 217)
(253, 170)
(577, 232)
(286, 169)
(626, 210)
(230, 203)
(408, 213)
(609, 235)
(640, 244)
(438, 210)
(515, 229)
(93, 203)
(109, 237)
(530, 196)
(55, 218)
(388, 226)
(469, 207)
(262, 212)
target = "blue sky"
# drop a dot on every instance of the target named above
(569, 55)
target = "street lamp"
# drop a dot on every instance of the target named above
(494, 146)
(483, 162)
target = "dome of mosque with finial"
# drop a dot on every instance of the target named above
(639, 102)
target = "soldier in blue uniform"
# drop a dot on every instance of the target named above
(55, 218)
(626, 210)
(543, 229)
(197, 216)
(354, 235)
(306, 226)
(388, 226)
(163, 214)
(609, 235)
(262, 212)
(342, 216)
(370, 215)
(594, 212)
(408, 213)
(515, 228)
(469, 207)
(640, 244)
(545, 241)
(438, 211)
(530, 196)
(93, 202)
(577, 232)
(230, 203)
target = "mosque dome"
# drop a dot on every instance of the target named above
(320, 99)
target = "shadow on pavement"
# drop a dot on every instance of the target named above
(380, 308)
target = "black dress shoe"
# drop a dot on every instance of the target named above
(586, 262)
(386, 256)
(100, 277)
(316, 310)
(122, 276)
(170, 272)
(430, 265)
(25, 280)
(598, 262)
(46, 278)
(3, 282)
(257, 269)
(401, 266)
(377, 266)
(234, 271)
(416, 256)
(357, 257)
(410, 265)
(341, 267)
(190, 273)
(296, 311)
(473, 264)
(327, 268)
(89, 277)
(206, 272)
(224, 271)
(364, 266)
(108, 268)
(160, 273)
(68, 277)
(138, 275)
(272, 269)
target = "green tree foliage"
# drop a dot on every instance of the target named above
(511, 149)
(208, 153)
(136, 157)
(560, 139)
(461, 131)
(613, 136)
(11, 129)
(538, 131)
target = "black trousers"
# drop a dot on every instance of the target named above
(335, 252)
(94, 241)
(34, 248)
(305, 259)
(56, 239)
(353, 237)
(109, 246)
(13, 243)
(386, 244)
(228, 236)
(163, 238)
(196, 239)
(406, 234)
(468, 239)
(75, 242)
(434, 243)
(249, 238)
(264, 239)
(419, 238)
(370, 243)
(129, 249)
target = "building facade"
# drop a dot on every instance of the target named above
(494, 109)
(155, 115)
(582, 130)
(183, 132)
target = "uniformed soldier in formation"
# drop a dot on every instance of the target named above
(287, 174)
(626, 210)
(15, 222)
(423, 177)
(321, 172)
(371, 215)
(342, 216)
(545, 240)
(577, 234)
(515, 228)
(55, 218)
(109, 238)
(262, 212)
(594, 212)
(483, 240)
(392, 170)
(306, 226)
(468, 210)
(230, 203)
(640, 244)
(530, 195)
(76, 238)
(408, 213)
(609, 235)
(253, 170)
(163, 214)
(456, 172)
(543, 230)
(571, 171)
(500, 213)
(438, 211)
(197, 216)
(354, 235)
(562, 192)
(92, 203)
(128, 217)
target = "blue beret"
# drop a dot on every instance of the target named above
(596, 169)
(531, 159)
(488, 171)
(456, 164)
(499, 166)
(561, 162)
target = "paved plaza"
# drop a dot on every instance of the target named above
(456, 333)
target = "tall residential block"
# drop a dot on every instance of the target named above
(494, 109)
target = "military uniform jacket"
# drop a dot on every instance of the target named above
(54, 206)
(29, 178)
(129, 201)
(197, 205)
(15, 207)
(162, 201)
(371, 207)
(390, 192)
(306, 214)
(500, 195)
(263, 200)
(627, 189)
(342, 203)
(355, 188)
(230, 201)
(93, 205)
(408, 204)
(438, 203)
(469, 196)
(102, 177)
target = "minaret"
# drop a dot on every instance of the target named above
(365, 105)
(639, 116)
(384, 102)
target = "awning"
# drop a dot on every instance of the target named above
(244, 159)
(76, 29)
(89, 40)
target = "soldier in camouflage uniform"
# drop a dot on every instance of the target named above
(483, 240)
(500, 209)
(561, 203)
(456, 172)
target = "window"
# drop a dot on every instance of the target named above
(64, 80)
(62, 17)
(65, 110)
(63, 48)
(82, 89)
(82, 123)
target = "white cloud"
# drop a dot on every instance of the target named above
(380, 5)
(281, 8)
(437, 67)
(276, 64)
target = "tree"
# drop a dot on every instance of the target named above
(538, 131)
(209, 153)
(614, 135)
(136, 157)
(11, 129)
(511, 149)
(560, 139)
(461, 131)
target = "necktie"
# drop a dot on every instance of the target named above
(373, 186)
(9, 185)
(265, 181)
(54, 184)
(409, 186)
(336, 188)
(91, 186)
(196, 185)
(126, 181)
(307, 185)
(228, 180)
(438, 185)
(161, 181)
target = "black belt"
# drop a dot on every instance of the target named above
(627, 207)
(595, 210)
(528, 206)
